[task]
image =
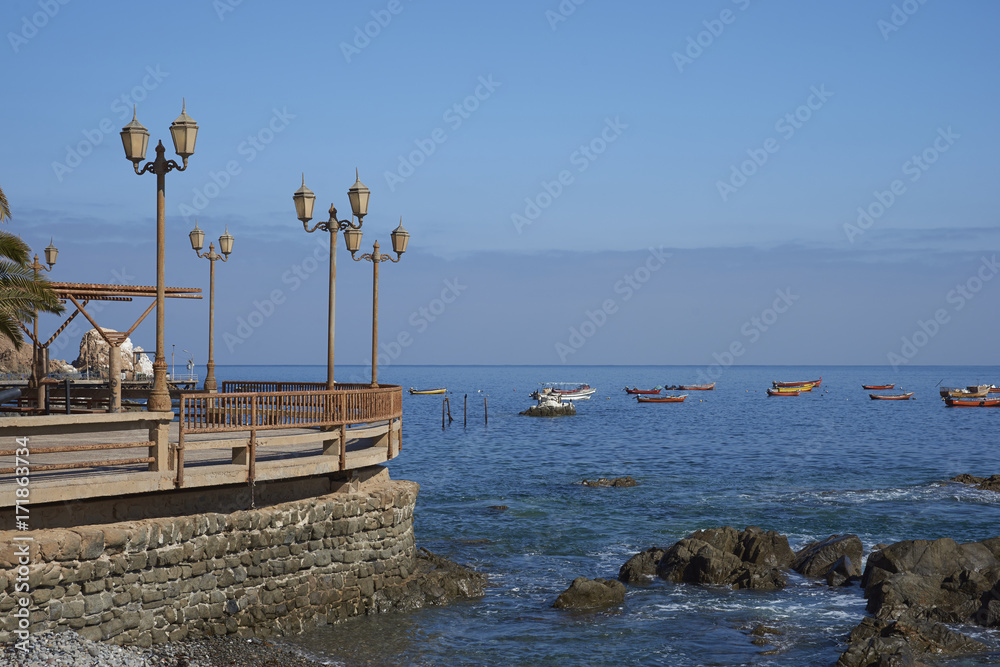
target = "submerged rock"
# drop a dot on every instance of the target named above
(641, 568)
(876, 642)
(586, 593)
(616, 482)
(435, 581)
(562, 410)
(818, 559)
(991, 483)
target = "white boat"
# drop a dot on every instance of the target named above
(571, 391)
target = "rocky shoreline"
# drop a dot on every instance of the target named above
(435, 581)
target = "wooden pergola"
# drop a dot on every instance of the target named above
(80, 294)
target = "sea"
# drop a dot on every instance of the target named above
(502, 493)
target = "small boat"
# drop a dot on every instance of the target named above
(994, 389)
(892, 397)
(814, 383)
(662, 399)
(878, 387)
(975, 391)
(972, 402)
(788, 391)
(633, 390)
(696, 387)
(579, 391)
(422, 392)
(792, 390)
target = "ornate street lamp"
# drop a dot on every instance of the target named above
(400, 239)
(38, 366)
(304, 201)
(226, 246)
(135, 139)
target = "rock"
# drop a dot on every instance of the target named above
(563, 410)
(724, 556)
(586, 593)
(816, 559)
(878, 642)
(966, 478)
(435, 581)
(13, 360)
(641, 568)
(95, 353)
(991, 483)
(616, 482)
(842, 572)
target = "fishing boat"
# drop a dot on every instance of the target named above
(422, 392)
(892, 397)
(814, 383)
(972, 402)
(792, 390)
(974, 391)
(577, 391)
(878, 387)
(788, 391)
(994, 389)
(661, 399)
(696, 387)
(633, 390)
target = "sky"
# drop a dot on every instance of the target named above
(585, 182)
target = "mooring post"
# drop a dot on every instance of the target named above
(443, 401)
(486, 415)
(465, 412)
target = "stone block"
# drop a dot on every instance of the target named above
(73, 608)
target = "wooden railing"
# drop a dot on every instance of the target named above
(251, 411)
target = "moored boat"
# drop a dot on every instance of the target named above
(575, 391)
(422, 392)
(696, 387)
(972, 402)
(878, 387)
(784, 391)
(974, 391)
(814, 383)
(892, 397)
(633, 390)
(661, 399)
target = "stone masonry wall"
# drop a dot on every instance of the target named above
(275, 570)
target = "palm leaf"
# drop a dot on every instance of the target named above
(4, 207)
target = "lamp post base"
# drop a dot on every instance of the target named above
(210, 382)
(159, 398)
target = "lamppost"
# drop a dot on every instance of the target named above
(352, 239)
(304, 201)
(38, 365)
(135, 138)
(226, 246)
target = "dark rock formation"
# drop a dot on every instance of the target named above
(617, 481)
(913, 587)
(750, 558)
(586, 593)
(563, 410)
(818, 559)
(641, 568)
(991, 483)
(435, 581)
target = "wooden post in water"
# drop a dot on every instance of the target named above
(486, 415)
(442, 412)
(465, 412)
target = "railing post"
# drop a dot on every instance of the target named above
(159, 434)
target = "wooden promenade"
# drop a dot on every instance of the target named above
(248, 432)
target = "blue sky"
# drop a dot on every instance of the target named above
(544, 156)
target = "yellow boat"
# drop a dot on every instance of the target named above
(421, 392)
(793, 390)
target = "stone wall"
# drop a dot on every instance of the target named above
(262, 572)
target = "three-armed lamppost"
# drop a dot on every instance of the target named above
(38, 365)
(304, 202)
(226, 246)
(135, 138)
(352, 239)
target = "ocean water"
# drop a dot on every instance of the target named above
(830, 461)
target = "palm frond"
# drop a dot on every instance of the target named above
(4, 207)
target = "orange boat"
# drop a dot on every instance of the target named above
(696, 387)
(814, 383)
(972, 402)
(633, 390)
(878, 387)
(892, 397)
(787, 392)
(662, 399)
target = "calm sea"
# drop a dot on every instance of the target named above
(832, 461)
